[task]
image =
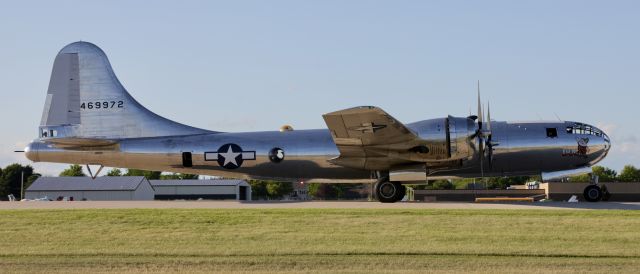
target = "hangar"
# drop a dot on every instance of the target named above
(202, 189)
(84, 188)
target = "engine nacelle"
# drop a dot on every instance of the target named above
(460, 137)
(447, 139)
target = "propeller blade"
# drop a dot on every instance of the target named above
(489, 144)
(489, 117)
(483, 118)
(480, 116)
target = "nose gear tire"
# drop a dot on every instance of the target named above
(592, 193)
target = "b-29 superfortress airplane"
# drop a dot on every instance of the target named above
(90, 118)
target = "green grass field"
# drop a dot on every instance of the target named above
(319, 240)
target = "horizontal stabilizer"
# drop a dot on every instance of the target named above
(80, 142)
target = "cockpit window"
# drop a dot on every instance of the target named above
(583, 129)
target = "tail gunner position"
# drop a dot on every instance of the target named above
(90, 118)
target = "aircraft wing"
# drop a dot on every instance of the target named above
(367, 136)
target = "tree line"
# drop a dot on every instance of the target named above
(629, 173)
(269, 190)
(76, 171)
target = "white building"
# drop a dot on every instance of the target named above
(202, 189)
(85, 188)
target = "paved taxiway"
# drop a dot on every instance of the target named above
(308, 204)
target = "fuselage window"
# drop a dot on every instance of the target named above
(552, 132)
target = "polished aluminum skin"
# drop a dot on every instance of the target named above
(89, 118)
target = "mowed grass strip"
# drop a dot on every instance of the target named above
(317, 240)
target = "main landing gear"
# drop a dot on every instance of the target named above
(389, 192)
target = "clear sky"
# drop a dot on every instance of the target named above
(256, 65)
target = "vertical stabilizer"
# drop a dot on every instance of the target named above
(86, 100)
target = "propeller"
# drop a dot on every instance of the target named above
(484, 135)
(480, 134)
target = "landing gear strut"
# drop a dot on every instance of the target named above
(389, 192)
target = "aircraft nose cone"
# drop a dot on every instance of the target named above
(601, 150)
(607, 142)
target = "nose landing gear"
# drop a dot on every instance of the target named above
(592, 193)
(389, 192)
(596, 192)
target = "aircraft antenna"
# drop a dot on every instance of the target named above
(557, 117)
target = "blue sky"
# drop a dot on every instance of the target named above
(256, 65)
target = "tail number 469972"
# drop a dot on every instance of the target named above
(102, 105)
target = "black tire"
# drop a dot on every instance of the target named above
(375, 187)
(386, 191)
(592, 193)
(403, 192)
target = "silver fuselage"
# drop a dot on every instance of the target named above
(90, 118)
(521, 149)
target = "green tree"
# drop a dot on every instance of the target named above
(605, 174)
(629, 174)
(583, 178)
(150, 175)
(185, 176)
(73, 171)
(10, 180)
(442, 184)
(339, 190)
(114, 172)
(504, 182)
(32, 179)
(179, 176)
(313, 190)
(276, 190)
(258, 189)
(326, 191)
(419, 186)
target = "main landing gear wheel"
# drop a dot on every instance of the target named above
(592, 193)
(389, 192)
